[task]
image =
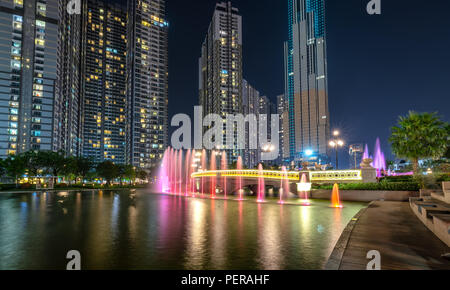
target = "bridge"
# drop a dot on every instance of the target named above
(272, 178)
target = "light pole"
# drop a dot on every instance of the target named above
(336, 143)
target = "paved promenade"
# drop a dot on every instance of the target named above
(392, 229)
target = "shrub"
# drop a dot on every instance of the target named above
(8, 187)
(443, 177)
(384, 186)
(25, 186)
(397, 179)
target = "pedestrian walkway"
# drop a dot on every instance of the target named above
(392, 229)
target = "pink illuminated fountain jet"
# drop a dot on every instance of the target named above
(204, 169)
(224, 166)
(284, 186)
(187, 172)
(239, 180)
(261, 185)
(304, 194)
(213, 179)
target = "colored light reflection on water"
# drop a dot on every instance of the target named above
(126, 230)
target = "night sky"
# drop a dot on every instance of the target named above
(379, 67)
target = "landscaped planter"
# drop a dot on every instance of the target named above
(365, 195)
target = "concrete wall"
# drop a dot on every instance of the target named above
(366, 195)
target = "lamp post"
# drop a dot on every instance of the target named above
(336, 143)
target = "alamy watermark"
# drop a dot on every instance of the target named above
(375, 260)
(374, 7)
(230, 133)
(74, 7)
(75, 260)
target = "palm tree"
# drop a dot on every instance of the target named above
(418, 136)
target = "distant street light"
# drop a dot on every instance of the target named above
(268, 148)
(336, 143)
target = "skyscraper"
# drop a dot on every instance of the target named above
(306, 79)
(266, 109)
(250, 103)
(66, 122)
(283, 113)
(147, 73)
(28, 37)
(103, 82)
(220, 68)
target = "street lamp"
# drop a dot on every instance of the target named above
(335, 144)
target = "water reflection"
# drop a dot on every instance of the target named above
(137, 230)
(196, 241)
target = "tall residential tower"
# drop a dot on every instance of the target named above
(28, 38)
(306, 79)
(103, 82)
(147, 96)
(220, 69)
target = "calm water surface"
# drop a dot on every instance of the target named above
(139, 230)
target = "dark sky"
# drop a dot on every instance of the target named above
(379, 67)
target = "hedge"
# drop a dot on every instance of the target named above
(383, 186)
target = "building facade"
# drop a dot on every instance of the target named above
(147, 82)
(220, 69)
(250, 102)
(283, 113)
(103, 82)
(67, 115)
(306, 80)
(28, 37)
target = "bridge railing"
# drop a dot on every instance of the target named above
(294, 176)
(266, 174)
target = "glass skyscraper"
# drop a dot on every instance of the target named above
(104, 51)
(306, 86)
(220, 69)
(147, 97)
(67, 115)
(28, 46)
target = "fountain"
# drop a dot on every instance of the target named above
(305, 199)
(180, 171)
(175, 177)
(187, 172)
(163, 178)
(366, 153)
(213, 179)
(335, 199)
(284, 186)
(239, 180)
(204, 169)
(379, 162)
(261, 185)
(224, 166)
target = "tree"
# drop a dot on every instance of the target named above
(34, 162)
(126, 171)
(83, 166)
(15, 167)
(108, 171)
(2, 168)
(54, 162)
(130, 173)
(142, 174)
(418, 136)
